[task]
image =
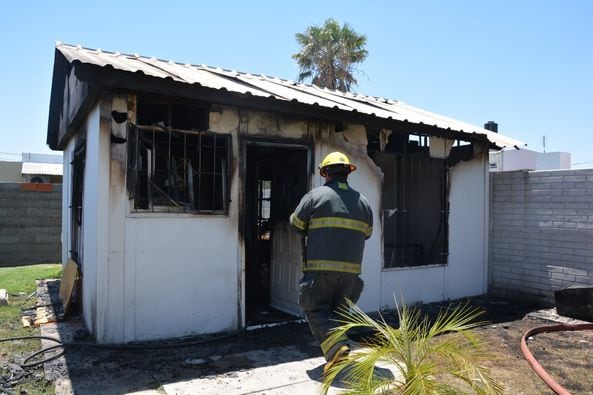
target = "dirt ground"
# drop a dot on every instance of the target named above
(567, 356)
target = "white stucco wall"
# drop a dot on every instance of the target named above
(184, 277)
(92, 219)
(158, 275)
(169, 275)
(465, 273)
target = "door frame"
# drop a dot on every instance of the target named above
(244, 143)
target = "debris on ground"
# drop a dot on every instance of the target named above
(121, 371)
(48, 307)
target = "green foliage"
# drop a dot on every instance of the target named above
(440, 357)
(19, 283)
(22, 279)
(329, 54)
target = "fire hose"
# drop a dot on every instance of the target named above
(554, 386)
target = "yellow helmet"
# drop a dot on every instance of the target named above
(336, 158)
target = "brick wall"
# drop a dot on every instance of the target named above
(30, 223)
(541, 232)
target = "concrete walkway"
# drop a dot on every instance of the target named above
(269, 371)
(302, 376)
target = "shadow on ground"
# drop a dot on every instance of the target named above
(151, 366)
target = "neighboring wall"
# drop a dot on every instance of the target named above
(10, 171)
(30, 223)
(541, 234)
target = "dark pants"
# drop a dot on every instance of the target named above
(320, 294)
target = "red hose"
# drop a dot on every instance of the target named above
(554, 386)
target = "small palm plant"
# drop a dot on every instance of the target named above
(427, 362)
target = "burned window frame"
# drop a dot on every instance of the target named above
(77, 165)
(177, 166)
(407, 147)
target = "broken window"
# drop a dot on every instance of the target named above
(415, 201)
(264, 200)
(175, 165)
(77, 172)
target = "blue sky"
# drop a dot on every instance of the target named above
(526, 64)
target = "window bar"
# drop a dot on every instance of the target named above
(169, 178)
(199, 148)
(227, 163)
(214, 202)
(185, 173)
(169, 166)
(136, 159)
(445, 209)
(402, 203)
(198, 167)
(224, 183)
(150, 155)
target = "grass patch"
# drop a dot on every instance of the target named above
(22, 279)
(19, 282)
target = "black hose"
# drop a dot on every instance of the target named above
(65, 346)
(25, 365)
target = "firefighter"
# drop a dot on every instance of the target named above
(335, 220)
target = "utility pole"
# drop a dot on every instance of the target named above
(544, 140)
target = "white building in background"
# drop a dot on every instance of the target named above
(524, 159)
(513, 158)
(31, 167)
(42, 168)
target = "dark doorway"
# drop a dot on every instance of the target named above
(276, 179)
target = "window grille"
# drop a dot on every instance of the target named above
(176, 170)
(415, 197)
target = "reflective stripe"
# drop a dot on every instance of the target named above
(338, 222)
(326, 346)
(297, 223)
(332, 266)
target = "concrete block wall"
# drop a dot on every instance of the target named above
(541, 232)
(30, 224)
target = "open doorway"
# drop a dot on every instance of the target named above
(276, 178)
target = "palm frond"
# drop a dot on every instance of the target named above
(422, 357)
(329, 54)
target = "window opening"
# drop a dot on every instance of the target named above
(264, 199)
(415, 201)
(175, 165)
(416, 210)
(77, 166)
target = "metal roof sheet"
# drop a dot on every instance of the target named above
(276, 88)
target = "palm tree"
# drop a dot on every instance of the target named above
(329, 54)
(426, 364)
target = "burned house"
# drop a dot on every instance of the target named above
(179, 181)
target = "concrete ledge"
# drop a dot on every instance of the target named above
(3, 297)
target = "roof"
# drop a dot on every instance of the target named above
(281, 90)
(46, 169)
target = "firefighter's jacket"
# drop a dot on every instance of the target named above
(336, 220)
